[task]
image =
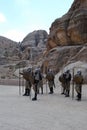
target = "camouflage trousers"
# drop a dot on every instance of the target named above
(63, 88)
(67, 88)
(27, 85)
(51, 84)
(40, 86)
(78, 88)
(27, 88)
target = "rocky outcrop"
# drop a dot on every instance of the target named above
(67, 40)
(6, 44)
(9, 50)
(35, 39)
(70, 29)
(60, 57)
(31, 47)
(34, 44)
(27, 52)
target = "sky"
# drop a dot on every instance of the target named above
(21, 17)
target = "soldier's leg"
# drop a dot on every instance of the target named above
(38, 87)
(79, 93)
(67, 89)
(35, 96)
(41, 86)
(28, 92)
(76, 89)
(26, 88)
(51, 90)
(51, 87)
(64, 88)
(42, 89)
(66, 94)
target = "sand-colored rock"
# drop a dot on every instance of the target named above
(71, 28)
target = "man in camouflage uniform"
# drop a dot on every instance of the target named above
(50, 77)
(40, 85)
(37, 78)
(67, 83)
(63, 83)
(28, 84)
(78, 79)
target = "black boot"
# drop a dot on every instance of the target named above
(63, 92)
(25, 94)
(34, 98)
(51, 90)
(79, 97)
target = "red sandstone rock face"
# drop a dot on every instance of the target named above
(77, 29)
(70, 29)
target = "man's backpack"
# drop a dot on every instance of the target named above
(62, 78)
(78, 79)
(50, 77)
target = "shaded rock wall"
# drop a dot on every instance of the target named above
(58, 58)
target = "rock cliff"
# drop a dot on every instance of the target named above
(70, 29)
(34, 44)
(67, 40)
(14, 55)
(35, 39)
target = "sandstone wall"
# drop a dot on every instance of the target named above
(70, 29)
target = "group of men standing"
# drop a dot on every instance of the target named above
(38, 83)
(77, 79)
(64, 78)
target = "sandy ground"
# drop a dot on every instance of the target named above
(49, 112)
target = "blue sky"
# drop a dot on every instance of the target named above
(20, 17)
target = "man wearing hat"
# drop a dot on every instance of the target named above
(78, 79)
(68, 79)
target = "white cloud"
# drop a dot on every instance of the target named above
(2, 18)
(15, 35)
